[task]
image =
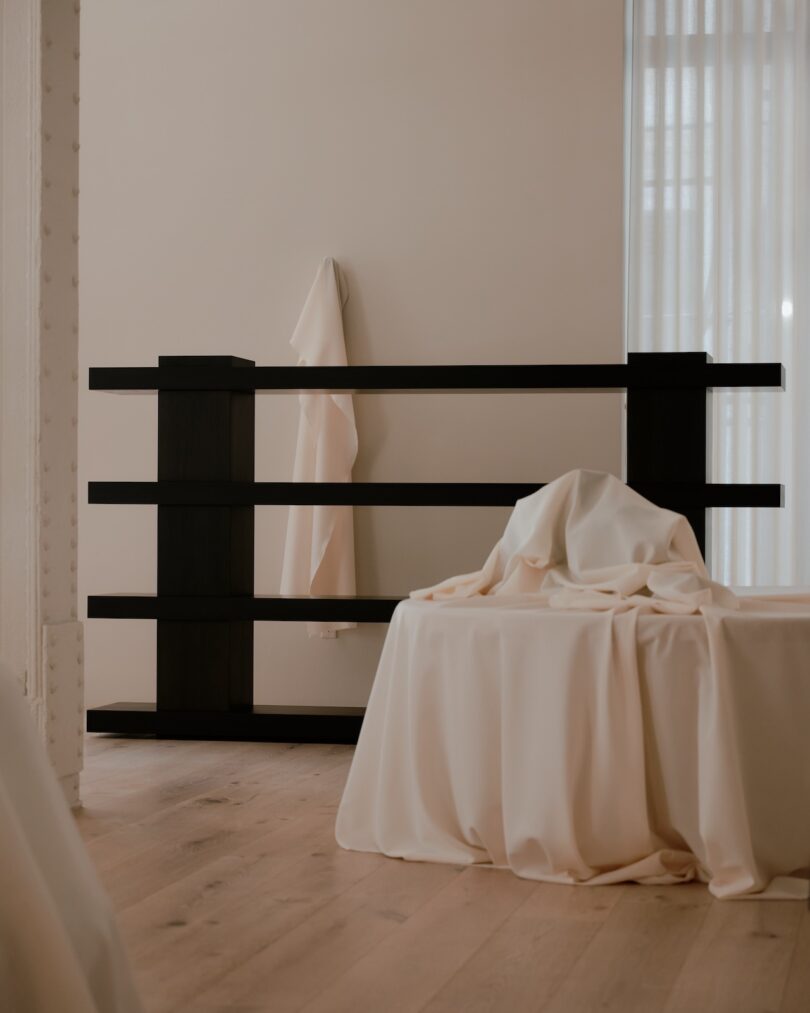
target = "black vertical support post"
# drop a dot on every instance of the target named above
(668, 432)
(204, 550)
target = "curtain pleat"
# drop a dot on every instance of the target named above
(718, 243)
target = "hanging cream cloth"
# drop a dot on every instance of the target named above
(590, 708)
(319, 550)
(59, 947)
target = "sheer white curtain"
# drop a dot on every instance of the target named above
(718, 243)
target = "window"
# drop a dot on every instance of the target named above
(717, 242)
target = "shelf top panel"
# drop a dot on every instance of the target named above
(172, 493)
(674, 374)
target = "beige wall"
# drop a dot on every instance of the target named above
(462, 161)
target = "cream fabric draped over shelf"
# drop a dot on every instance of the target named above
(719, 240)
(587, 541)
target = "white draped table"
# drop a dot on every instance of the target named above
(592, 747)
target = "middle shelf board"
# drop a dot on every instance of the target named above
(681, 496)
(230, 608)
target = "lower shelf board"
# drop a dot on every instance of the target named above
(260, 724)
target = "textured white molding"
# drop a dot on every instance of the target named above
(70, 787)
(62, 664)
(40, 639)
(61, 673)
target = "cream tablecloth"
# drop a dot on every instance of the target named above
(591, 747)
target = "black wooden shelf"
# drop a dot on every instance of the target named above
(441, 379)
(673, 496)
(254, 724)
(206, 496)
(240, 608)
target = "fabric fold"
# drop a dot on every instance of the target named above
(586, 540)
(319, 545)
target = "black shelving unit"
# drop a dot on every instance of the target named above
(206, 494)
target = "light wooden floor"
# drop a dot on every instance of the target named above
(232, 895)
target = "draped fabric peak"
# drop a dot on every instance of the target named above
(586, 540)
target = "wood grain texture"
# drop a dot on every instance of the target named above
(630, 966)
(531, 954)
(233, 897)
(796, 996)
(740, 959)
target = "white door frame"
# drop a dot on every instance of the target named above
(40, 637)
(20, 180)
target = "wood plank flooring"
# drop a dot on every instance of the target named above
(233, 897)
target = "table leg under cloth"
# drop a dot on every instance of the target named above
(584, 747)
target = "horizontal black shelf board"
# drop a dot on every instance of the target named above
(681, 496)
(381, 379)
(312, 493)
(260, 724)
(229, 608)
